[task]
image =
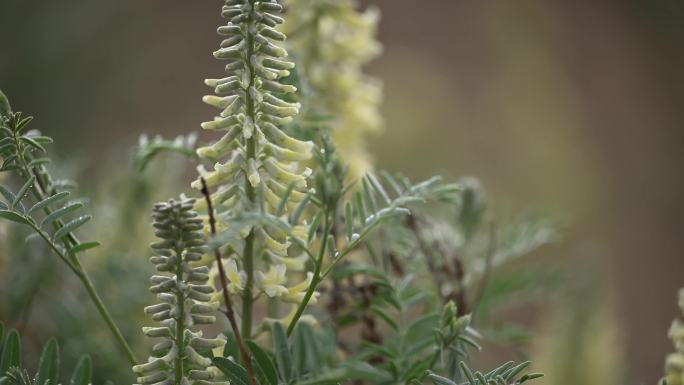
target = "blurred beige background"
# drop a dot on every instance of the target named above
(575, 107)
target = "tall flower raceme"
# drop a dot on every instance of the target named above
(674, 364)
(257, 165)
(332, 41)
(186, 300)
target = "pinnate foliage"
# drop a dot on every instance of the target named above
(13, 371)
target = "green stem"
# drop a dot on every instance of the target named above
(72, 261)
(102, 309)
(180, 326)
(316, 275)
(248, 254)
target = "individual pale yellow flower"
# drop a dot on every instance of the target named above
(236, 277)
(292, 263)
(272, 282)
(295, 294)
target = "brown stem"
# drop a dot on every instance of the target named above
(455, 271)
(246, 358)
(484, 281)
(412, 222)
(369, 331)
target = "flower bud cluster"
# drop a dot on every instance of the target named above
(185, 299)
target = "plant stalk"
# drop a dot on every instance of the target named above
(248, 254)
(246, 358)
(316, 276)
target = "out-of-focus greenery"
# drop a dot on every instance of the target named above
(119, 269)
(578, 342)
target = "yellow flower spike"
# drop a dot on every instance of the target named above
(255, 155)
(333, 42)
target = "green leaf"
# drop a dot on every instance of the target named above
(300, 208)
(530, 376)
(349, 220)
(315, 223)
(282, 352)
(378, 187)
(39, 162)
(70, 207)
(235, 373)
(83, 373)
(264, 362)
(359, 207)
(439, 380)
(299, 351)
(14, 217)
(23, 123)
(71, 226)
(11, 352)
(48, 201)
(48, 367)
(392, 182)
(81, 247)
(312, 350)
(510, 374)
(42, 139)
(380, 312)
(369, 196)
(467, 373)
(284, 199)
(9, 196)
(357, 370)
(5, 108)
(230, 349)
(22, 191)
(32, 143)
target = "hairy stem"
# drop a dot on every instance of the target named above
(246, 358)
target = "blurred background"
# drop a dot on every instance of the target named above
(572, 107)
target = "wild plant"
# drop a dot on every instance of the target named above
(288, 260)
